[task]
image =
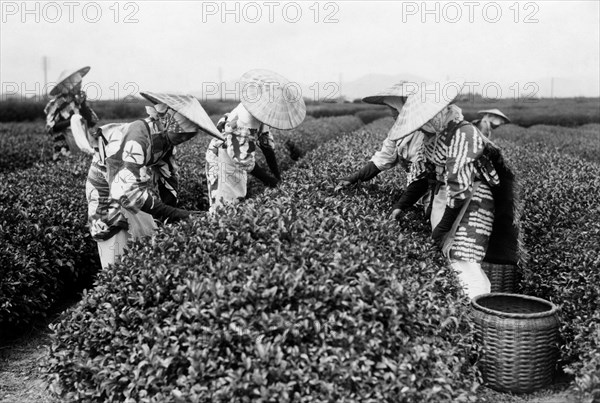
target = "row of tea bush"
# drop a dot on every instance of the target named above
(47, 251)
(303, 293)
(309, 293)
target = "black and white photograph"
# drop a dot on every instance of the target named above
(300, 201)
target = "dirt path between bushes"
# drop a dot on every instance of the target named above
(556, 394)
(20, 378)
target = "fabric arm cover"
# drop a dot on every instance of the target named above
(266, 144)
(445, 224)
(60, 126)
(366, 173)
(88, 114)
(262, 174)
(163, 211)
(412, 194)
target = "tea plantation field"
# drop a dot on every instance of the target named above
(304, 292)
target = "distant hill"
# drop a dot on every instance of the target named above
(359, 88)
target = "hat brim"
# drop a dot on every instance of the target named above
(495, 112)
(398, 90)
(189, 107)
(420, 109)
(268, 96)
(380, 99)
(82, 71)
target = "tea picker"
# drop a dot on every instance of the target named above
(490, 119)
(68, 116)
(267, 100)
(474, 215)
(132, 181)
(407, 152)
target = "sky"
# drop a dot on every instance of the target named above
(185, 46)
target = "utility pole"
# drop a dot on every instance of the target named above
(552, 87)
(45, 64)
(340, 86)
(220, 84)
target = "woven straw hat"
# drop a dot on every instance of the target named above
(400, 90)
(272, 99)
(496, 112)
(189, 107)
(69, 79)
(423, 105)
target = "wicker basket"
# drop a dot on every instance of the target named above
(519, 337)
(503, 277)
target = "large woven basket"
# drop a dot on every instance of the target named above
(519, 338)
(503, 277)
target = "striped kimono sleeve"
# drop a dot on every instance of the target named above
(57, 110)
(465, 146)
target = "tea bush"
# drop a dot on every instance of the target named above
(300, 294)
(581, 142)
(561, 228)
(369, 116)
(47, 251)
(23, 145)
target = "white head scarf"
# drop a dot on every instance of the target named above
(438, 123)
(241, 117)
(172, 120)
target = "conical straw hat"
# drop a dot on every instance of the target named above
(67, 79)
(189, 107)
(272, 99)
(400, 90)
(423, 105)
(496, 112)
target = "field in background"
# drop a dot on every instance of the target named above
(524, 112)
(19, 111)
(545, 111)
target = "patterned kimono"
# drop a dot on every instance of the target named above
(58, 114)
(104, 214)
(228, 163)
(409, 152)
(465, 178)
(138, 173)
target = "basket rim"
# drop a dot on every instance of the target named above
(553, 308)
